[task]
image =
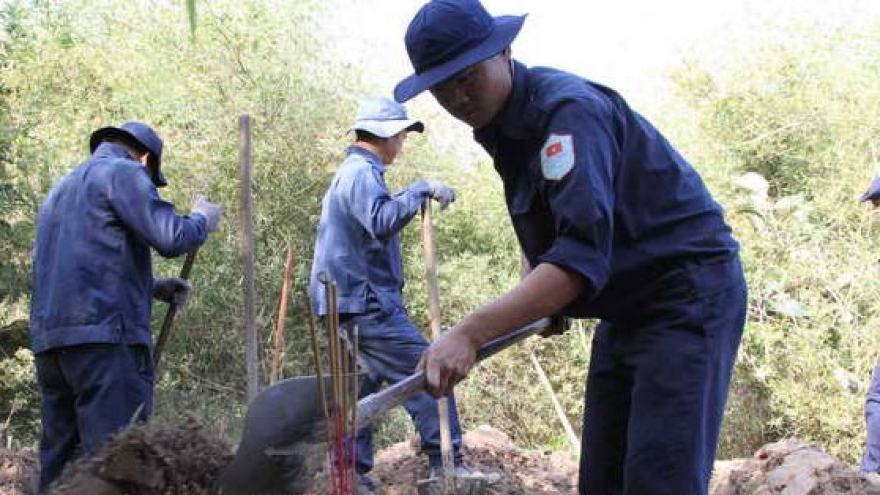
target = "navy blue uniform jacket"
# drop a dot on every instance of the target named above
(93, 279)
(593, 187)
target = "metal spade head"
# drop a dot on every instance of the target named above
(282, 444)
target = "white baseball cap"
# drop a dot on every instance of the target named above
(384, 117)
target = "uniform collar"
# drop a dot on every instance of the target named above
(510, 121)
(368, 155)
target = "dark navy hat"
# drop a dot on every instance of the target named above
(873, 192)
(448, 36)
(139, 135)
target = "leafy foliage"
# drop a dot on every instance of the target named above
(800, 115)
(64, 74)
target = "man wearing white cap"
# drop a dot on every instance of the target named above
(358, 246)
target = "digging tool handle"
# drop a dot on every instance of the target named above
(375, 405)
(172, 311)
(434, 311)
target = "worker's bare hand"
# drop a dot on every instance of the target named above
(448, 360)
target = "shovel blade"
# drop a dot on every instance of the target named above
(282, 444)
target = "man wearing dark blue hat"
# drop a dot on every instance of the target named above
(93, 285)
(358, 246)
(617, 226)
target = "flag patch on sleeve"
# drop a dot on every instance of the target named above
(557, 156)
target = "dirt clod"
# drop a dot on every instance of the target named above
(790, 468)
(151, 460)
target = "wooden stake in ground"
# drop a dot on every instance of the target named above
(278, 338)
(434, 309)
(247, 248)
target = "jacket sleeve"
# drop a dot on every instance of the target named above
(381, 214)
(135, 199)
(577, 183)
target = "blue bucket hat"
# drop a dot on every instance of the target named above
(873, 192)
(139, 135)
(384, 117)
(448, 36)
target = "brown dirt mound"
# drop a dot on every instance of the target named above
(398, 468)
(185, 459)
(151, 460)
(789, 468)
(18, 471)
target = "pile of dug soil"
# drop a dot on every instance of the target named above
(399, 468)
(177, 460)
(18, 472)
(790, 468)
(151, 460)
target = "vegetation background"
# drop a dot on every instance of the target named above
(786, 137)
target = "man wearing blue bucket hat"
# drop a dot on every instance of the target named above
(617, 226)
(93, 285)
(358, 246)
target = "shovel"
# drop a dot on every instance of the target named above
(282, 443)
(171, 314)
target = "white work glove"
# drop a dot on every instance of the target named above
(211, 212)
(443, 194)
(172, 290)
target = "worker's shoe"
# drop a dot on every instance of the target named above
(366, 485)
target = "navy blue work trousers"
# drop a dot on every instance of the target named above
(390, 347)
(89, 392)
(658, 383)
(871, 459)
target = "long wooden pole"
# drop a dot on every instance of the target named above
(247, 248)
(448, 481)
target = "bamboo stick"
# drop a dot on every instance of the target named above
(247, 247)
(566, 425)
(277, 354)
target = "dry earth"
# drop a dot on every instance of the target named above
(178, 460)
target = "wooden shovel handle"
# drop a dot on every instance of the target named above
(172, 311)
(374, 405)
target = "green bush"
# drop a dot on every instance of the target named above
(803, 116)
(19, 403)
